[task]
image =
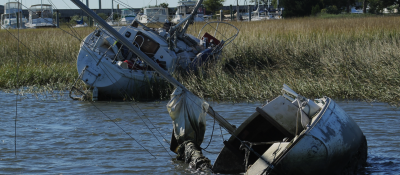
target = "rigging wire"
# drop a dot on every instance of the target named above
(151, 130)
(66, 4)
(90, 102)
(16, 97)
(92, 56)
(77, 37)
(151, 122)
(124, 130)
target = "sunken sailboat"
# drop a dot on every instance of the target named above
(289, 135)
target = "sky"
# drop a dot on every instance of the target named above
(67, 4)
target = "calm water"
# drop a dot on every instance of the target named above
(66, 136)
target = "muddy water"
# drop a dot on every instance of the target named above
(66, 136)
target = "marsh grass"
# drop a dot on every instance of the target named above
(345, 58)
(46, 59)
(353, 58)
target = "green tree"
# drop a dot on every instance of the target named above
(341, 5)
(164, 5)
(274, 3)
(298, 7)
(213, 5)
(103, 16)
(376, 6)
(315, 10)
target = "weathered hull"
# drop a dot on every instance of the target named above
(332, 144)
(110, 79)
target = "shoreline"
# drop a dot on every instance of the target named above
(343, 58)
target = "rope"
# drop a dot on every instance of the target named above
(212, 133)
(304, 103)
(221, 133)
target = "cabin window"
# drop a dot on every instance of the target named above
(146, 44)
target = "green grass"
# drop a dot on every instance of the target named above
(353, 58)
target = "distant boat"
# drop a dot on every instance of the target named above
(127, 16)
(40, 16)
(154, 15)
(184, 8)
(80, 23)
(9, 18)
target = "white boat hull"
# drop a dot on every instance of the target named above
(332, 144)
(110, 79)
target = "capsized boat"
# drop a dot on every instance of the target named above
(289, 135)
(115, 71)
(295, 136)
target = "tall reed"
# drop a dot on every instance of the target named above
(343, 58)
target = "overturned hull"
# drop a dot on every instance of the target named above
(331, 143)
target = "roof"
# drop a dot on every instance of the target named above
(41, 5)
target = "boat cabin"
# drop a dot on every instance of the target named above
(185, 8)
(40, 15)
(127, 16)
(9, 18)
(154, 15)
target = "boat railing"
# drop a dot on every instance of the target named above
(226, 39)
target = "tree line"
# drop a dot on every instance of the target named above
(300, 8)
(313, 7)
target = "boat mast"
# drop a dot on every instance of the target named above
(191, 18)
(258, 8)
(230, 128)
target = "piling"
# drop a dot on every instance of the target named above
(57, 19)
(220, 15)
(237, 10)
(18, 21)
(231, 13)
(249, 13)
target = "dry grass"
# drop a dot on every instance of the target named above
(343, 58)
(346, 58)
